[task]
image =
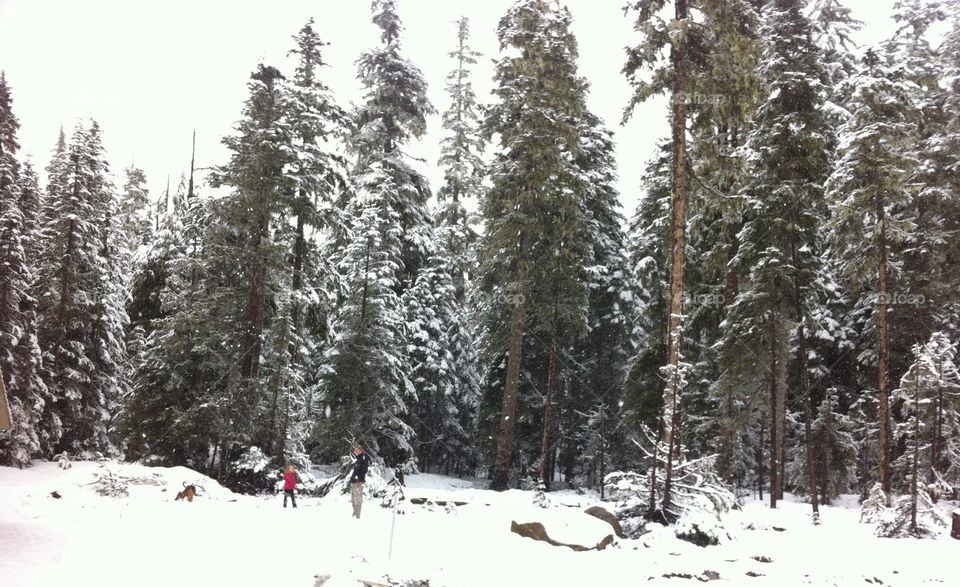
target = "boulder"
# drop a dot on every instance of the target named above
(605, 515)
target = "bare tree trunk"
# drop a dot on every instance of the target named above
(916, 456)
(654, 464)
(884, 415)
(783, 351)
(501, 472)
(763, 420)
(808, 424)
(671, 404)
(774, 453)
(253, 327)
(548, 408)
(353, 431)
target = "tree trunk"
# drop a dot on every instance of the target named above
(808, 424)
(783, 351)
(916, 456)
(653, 466)
(501, 473)
(760, 458)
(672, 405)
(603, 446)
(299, 251)
(548, 409)
(354, 425)
(955, 529)
(884, 415)
(774, 413)
(253, 331)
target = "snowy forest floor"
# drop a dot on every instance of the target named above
(147, 539)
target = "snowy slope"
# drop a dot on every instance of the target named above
(225, 539)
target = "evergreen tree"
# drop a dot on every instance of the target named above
(73, 288)
(390, 238)
(20, 355)
(779, 251)
(318, 176)
(365, 383)
(533, 213)
(134, 207)
(460, 157)
(248, 231)
(868, 190)
(684, 39)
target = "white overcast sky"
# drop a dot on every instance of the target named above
(152, 72)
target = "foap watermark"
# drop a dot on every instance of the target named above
(698, 99)
(897, 299)
(498, 298)
(704, 300)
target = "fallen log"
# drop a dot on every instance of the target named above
(536, 531)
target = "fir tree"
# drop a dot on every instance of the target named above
(780, 250)
(20, 356)
(868, 190)
(390, 237)
(673, 77)
(72, 290)
(533, 204)
(318, 175)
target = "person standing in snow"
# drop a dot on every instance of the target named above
(289, 486)
(357, 479)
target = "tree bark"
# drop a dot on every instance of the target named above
(501, 473)
(253, 331)
(548, 409)
(884, 415)
(774, 468)
(916, 456)
(354, 425)
(783, 350)
(808, 424)
(672, 405)
(760, 459)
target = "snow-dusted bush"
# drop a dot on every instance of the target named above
(109, 484)
(63, 460)
(540, 498)
(702, 526)
(695, 489)
(251, 472)
(897, 521)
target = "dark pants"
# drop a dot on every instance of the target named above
(289, 493)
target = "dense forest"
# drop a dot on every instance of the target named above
(781, 312)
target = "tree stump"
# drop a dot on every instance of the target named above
(955, 530)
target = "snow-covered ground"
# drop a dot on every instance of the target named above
(146, 539)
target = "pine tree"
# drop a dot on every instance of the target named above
(316, 122)
(868, 191)
(72, 288)
(928, 398)
(108, 351)
(364, 381)
(20, 356)
(674, 78)
(460, 157)
(594, 382)
(533, 205)
(394, 111)
(134, 207)
(779, 249)
(390, 238)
